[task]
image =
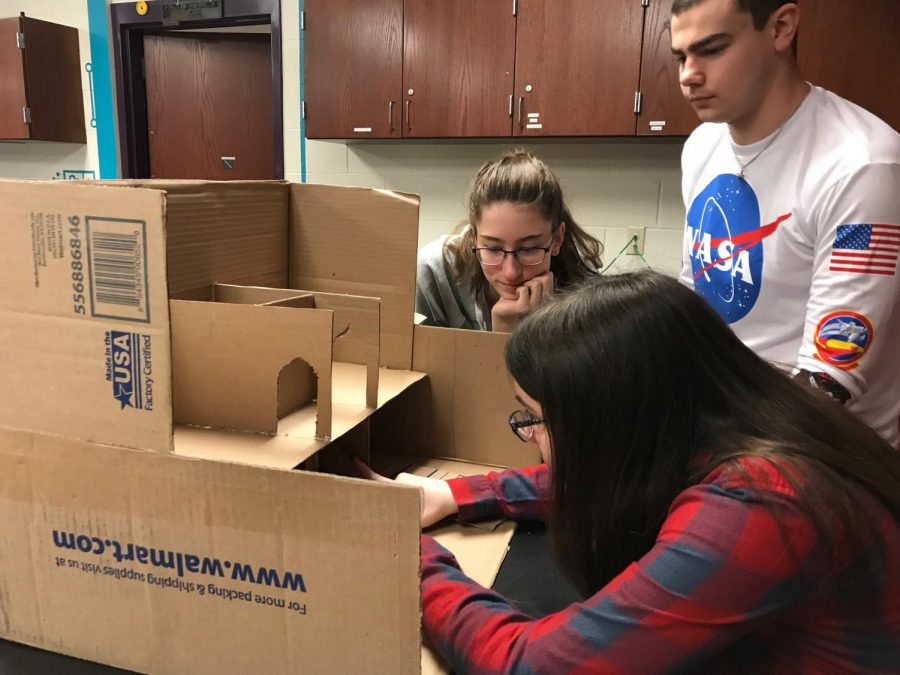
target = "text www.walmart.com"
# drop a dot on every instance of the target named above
(181, 564)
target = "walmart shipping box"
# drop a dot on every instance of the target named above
(184, 367)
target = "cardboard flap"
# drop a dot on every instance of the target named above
(160, 564)
(227, 360)
(471, 397)
(363, 242)
(84, 321)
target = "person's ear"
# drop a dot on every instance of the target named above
(782, 26)
(558, 237)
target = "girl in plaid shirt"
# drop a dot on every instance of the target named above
(718, 516)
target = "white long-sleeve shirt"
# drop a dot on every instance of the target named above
(801, 255)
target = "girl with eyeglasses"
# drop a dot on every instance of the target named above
(718, 516)
(520, 246)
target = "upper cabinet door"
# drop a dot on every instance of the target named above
(577, 67)
(53, 81)
(458, 67)
(663, 110)
(353, 68)
(12, 83)
(853, 49)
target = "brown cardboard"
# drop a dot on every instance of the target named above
(361, 242)
(354, 543)
(58, 376)
(471, 397)
(86, 457)
(295, 441)
(228, 233)
(357, 331)
(228, 360)
(257, 295)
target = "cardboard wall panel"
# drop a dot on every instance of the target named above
(167, 565)
(361, 242)
(227, 361)
(471, 397)
(229, 232)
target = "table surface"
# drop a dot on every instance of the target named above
(529, 577)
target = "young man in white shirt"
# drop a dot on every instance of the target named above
(793, 206)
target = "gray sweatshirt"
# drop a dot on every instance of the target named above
(442, 299)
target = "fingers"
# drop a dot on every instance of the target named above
(533, 292)
(506, 313)
(365, 471)
(542, 286)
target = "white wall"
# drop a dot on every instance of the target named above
(30, 159)
(609, 184)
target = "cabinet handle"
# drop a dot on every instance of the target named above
(408, 124)
(521, 106)
(391, 116)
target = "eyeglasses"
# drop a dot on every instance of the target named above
(522, 424)
(528, 255)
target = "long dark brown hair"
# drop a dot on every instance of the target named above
(644, 390)
(519, 177)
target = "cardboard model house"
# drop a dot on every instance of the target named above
(184, 369)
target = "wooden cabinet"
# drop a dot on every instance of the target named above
(457, 81)
(853, 49)
(40, 82)
(353, 64)
(577, 65)
(490, 68)
(662, 109)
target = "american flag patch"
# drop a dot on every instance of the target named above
(866, 249)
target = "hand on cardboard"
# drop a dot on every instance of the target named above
(437, 499)
(506, 313)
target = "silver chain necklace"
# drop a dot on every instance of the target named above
(743, 167)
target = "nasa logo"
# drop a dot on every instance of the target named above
(842, 338)
(724, 241)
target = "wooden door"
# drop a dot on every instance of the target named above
(353, 68)
(458, 62)
(663, 110)
(577, 67)
(209, 97)
(12, 83)
(853, 49)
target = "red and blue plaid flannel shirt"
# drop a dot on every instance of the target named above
(727, 588)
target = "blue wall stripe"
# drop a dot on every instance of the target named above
(102, 86)
(302, 121)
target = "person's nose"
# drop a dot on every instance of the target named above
(511, 268)
(690, 74)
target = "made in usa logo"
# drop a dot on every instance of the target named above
(129, 367)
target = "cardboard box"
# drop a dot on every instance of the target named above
(183, 364)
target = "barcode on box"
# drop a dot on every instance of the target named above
(117, 257)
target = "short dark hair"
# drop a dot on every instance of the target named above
(760, 10)
(645, 390)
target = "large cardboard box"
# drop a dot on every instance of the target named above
(183, 367)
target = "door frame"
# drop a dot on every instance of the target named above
(128, 30)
